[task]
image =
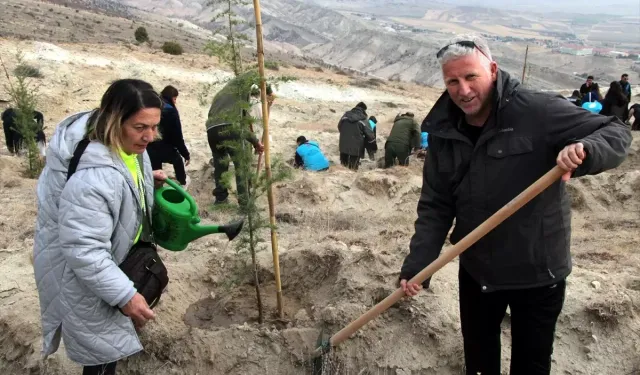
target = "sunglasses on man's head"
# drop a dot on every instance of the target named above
(462, 43)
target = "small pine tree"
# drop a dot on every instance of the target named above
(228, 52)
(172, 48)
(24, 96)
(252, 206)
(141, 35)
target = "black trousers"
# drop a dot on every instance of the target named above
(534, 313)
(161, 152)
(350, 161)
(396, 151)
(220, 152)
(105, 369)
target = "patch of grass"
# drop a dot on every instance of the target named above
(271, 65)
(26, 70)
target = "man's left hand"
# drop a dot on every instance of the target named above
(570, 158)
(159, 177)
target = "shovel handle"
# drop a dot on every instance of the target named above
(507, 210)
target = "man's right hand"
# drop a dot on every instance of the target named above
(259, 147)
(410, 289)
(138, 310)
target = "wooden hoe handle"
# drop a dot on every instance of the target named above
(514, 205)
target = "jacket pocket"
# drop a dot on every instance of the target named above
(502, 147)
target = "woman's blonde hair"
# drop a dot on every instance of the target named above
(123, 99)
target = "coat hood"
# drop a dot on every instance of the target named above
(356, 114)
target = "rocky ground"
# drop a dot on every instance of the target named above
(342, 236)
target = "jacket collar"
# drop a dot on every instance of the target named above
(444, 115)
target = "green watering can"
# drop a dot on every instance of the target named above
(176, 221)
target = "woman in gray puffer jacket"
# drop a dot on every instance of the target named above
(87, 225)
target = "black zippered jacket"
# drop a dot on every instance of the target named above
(519, 144)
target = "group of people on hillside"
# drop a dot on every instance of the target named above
(614, 103)
(358, 134)
(488, 138)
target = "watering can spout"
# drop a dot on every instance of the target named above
(231, 230)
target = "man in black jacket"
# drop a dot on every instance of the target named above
(354, 132)
(489, 139)
(171, 147)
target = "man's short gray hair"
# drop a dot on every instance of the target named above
(455, 51)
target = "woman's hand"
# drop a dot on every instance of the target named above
(159, 177)
(138, 310)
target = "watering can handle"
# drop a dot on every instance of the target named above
(192, 204)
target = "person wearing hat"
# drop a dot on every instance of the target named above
(230, 121)
(355, 132)
(405, 135)
(309, 156)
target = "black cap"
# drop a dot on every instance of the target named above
(301, 139)
(361, 105)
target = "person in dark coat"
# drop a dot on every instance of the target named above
(626, 86)
(12, 134)
(355, 131)
(615, 102)
(371, 147)
(405, 135)
(490, 139)
(230, 121)
(170, 148)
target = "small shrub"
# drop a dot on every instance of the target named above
(141, 35)
(301, 67)
(25, 70)
(318, 69)
(271, 65)
(342, 72)
(172, 48)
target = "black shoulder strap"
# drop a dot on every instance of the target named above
(147, 228)
(73, 164)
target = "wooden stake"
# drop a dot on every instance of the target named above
(267, 155)
(524, 68)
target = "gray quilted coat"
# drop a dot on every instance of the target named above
(84, 229)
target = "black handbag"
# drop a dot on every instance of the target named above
(142, 264)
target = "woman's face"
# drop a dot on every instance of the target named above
(139, 130)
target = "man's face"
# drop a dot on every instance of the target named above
(589, 81)
(469, 81)
(625, 79)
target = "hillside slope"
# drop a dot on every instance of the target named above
(342, 235)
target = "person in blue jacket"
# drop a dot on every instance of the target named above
(309, 156)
